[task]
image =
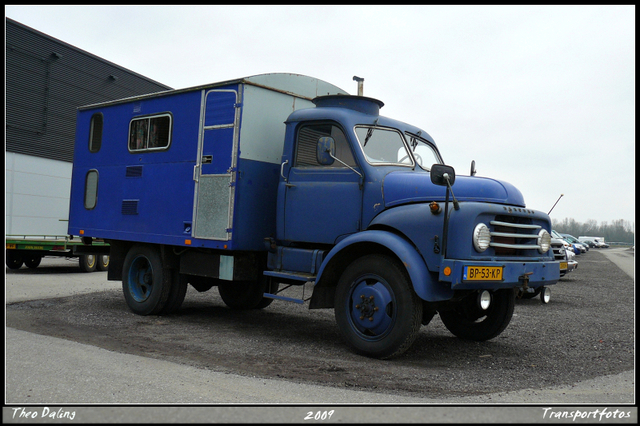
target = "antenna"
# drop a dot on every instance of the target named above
(561, 195)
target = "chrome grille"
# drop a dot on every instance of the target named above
(508, 235)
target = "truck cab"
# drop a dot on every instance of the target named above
(357, 187)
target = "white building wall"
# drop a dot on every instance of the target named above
(36, 195)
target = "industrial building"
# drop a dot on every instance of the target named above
(46, 81)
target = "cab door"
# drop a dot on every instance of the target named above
(322, 203)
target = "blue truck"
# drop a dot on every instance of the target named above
(261, 183)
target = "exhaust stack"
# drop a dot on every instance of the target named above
(360, 84)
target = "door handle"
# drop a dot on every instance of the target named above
(282, 170)
(196, 172)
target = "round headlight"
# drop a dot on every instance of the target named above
(544, 241)
(481, 237)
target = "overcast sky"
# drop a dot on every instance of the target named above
(542, 97)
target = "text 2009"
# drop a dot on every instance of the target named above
(320, 415)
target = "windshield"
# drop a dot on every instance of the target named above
(424, 153)
(387, 146)
(383, 146)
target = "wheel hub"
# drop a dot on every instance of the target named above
(367, 307)
(370, 312)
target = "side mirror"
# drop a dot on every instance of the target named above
(441, 173)
(326, 151)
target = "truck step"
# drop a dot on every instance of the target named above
(287, 299)
(299, 278)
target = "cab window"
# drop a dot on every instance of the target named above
(307, 141)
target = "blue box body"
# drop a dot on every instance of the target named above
(214, 186)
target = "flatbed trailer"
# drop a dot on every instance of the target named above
(29, 250)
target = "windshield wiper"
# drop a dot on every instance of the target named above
(369, 133)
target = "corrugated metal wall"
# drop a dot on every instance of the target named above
(46, 80)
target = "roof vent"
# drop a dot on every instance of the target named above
(357, 103)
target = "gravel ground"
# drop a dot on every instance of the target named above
(587, 331)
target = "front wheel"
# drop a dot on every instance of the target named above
(377, 312)
(468, 321)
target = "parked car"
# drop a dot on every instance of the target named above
(597, 242)
(573, 240)
(567, 245)
(600, 244)
(567, 264)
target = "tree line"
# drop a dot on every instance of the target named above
(620, 231)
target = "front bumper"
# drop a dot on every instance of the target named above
(512, 274)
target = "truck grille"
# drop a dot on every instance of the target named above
(511, 234)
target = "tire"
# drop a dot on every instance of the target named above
(103, 262)
(243, 295)
(266, 301)
(527, 295)
(33, 261)
(143, 281)
(14, 260)
(176, 295)
(88, 263)
(388, 321)
(545, 295)
(469, 322)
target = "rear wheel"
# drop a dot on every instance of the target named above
(88, 262)
(33, 261)
(468, 321)
(143, 281)
(377, 312)
(103, 262)
(244, 294)
(176, 295)
(14, 260)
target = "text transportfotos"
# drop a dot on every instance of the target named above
(578, 414)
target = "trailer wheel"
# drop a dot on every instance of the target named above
(14, 260)
(244, 294)
(468, 321)
(377, 312)
(143, 283)
(33, 261)
(103, 262)
(88, 263)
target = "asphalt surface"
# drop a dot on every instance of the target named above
(43, 372)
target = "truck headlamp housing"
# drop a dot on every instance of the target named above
(482, 237)
(544, 241)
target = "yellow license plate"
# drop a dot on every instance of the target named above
(482, 273)
(11, 246)
(563, 265)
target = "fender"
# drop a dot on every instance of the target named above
(425, 285)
